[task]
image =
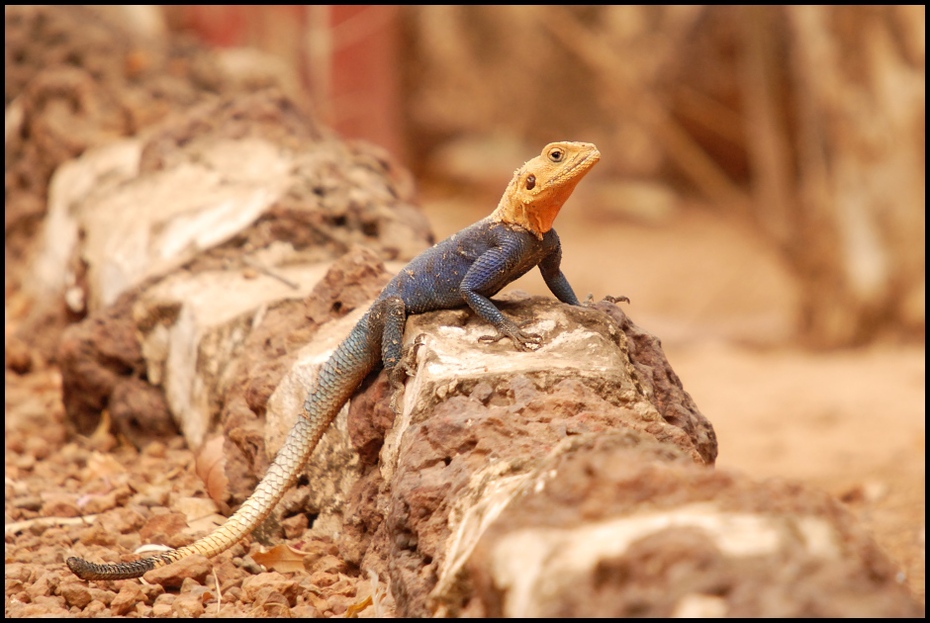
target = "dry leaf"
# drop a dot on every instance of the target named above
(353, 609)
(201, 513)
(103, 466)
(210, 465)
(101, 438)
(281, 558)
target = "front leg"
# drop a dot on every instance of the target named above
(551, 270)
(494, 269)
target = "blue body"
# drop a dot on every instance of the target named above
(476, 263)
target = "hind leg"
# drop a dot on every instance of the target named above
(391, 314)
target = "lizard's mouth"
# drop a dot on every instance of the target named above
(589, 159)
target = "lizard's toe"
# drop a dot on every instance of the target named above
(521, 340)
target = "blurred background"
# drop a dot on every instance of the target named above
(802, 127)
(760, 196)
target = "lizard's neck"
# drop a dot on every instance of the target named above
(537, 218)
(540, 187)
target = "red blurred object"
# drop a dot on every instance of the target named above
(346, 57)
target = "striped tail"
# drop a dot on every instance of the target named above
(339, 377)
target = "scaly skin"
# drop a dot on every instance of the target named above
(465, 269)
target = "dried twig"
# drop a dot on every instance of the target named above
(46, 522)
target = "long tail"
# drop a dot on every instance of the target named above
(342, 373)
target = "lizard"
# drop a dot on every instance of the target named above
(465, 269)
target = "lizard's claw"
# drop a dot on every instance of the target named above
(401, 369)
(588, 302)
(397, 375)
(617, 299)
(521, 340)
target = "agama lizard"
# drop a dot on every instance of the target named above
(464, 269)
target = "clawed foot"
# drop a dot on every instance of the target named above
(617, 299)
(399, 371)
(588, 302)
(397, 375)
(521, 340)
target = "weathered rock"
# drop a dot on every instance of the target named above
(194, 567)
(576, 481)
(621, 526)
(258, 588)
(276, 373)
(79, 78)
(412, 494)
(665, 389)
(477, 420)
(130, 595)
(237, 207)
(235, 184)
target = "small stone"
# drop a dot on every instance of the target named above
(151, 591)
(328, 563)
(60, 506)
(102, 596)
(295, 526)
(100, 503)
(38, 588)
(39, 447)
(155, 449)
(165, 600)
(76, 594)
(188, 605)
(164, 524)
(18, 355)
(125, 601)
(95, 608)
(258, 587)
(196, 567)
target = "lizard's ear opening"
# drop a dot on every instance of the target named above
(530, 181)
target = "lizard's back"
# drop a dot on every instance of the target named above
(433, 279)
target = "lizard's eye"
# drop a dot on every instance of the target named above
(530, 181)
(556, 155)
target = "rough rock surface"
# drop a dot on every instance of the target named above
(174, 294)
(475, 422)
(618, 525)
(78, 78)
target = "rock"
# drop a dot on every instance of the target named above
(259, 588)
(159, 528)
(195, 567)
(76, 593)
(477, 420)
(18, 355)
(239, 206)
(130, 595)
(187, 606)
(79, 80)
(619, 525)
